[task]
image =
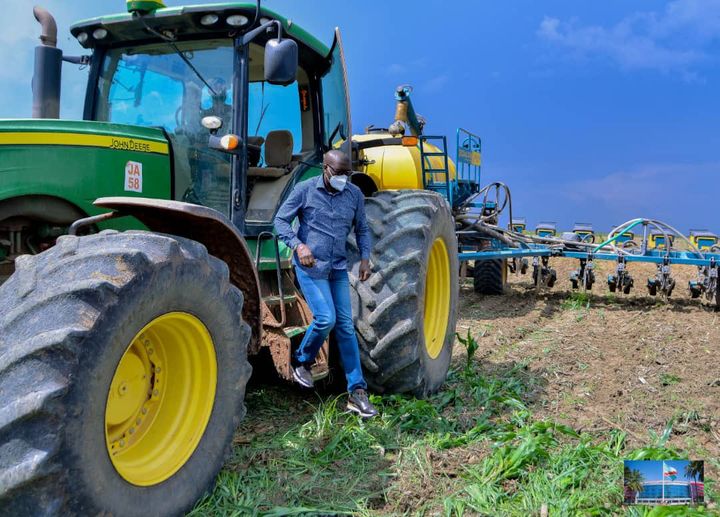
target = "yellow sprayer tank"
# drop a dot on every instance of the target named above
(395, 167)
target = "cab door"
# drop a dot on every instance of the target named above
(337, 128)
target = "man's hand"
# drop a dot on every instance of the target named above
(305, 256)
(364, 270)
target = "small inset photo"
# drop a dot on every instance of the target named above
(664, 482)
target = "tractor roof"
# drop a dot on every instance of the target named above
(519, 220)
(185, 21)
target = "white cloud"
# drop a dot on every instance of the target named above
(19, 35)
(697, 19)
(17, 42)
(648, 188)
(436, 84)
(675, 39)
(396, 69)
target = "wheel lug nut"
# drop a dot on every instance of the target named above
(144, 411)
(155, 393)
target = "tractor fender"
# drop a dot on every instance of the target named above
(364, 182)
(208, 227)
(51, 209)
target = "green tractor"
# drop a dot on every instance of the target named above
(141, 269)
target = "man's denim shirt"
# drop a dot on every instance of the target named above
(325, 223)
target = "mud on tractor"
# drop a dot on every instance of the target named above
(141, 269)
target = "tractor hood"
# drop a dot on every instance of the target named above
(80, 161)
(82, 134)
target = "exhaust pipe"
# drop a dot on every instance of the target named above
(48, 68)
(49, 27)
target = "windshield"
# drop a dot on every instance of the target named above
(150, 85)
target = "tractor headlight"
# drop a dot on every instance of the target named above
(229, 142)
(82, 38)
(209, 19)
(237, 20)
(100, 33)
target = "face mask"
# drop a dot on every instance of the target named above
(338, 182)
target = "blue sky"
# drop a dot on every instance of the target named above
(652, 470)
(590, 111)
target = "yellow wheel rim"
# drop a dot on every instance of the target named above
(160, 398)
(437, 298)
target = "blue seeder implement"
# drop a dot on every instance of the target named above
(481, 237)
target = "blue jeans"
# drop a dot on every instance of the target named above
(329, 301)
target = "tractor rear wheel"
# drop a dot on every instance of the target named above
(405, 314)
(490, 276)
(122, 371)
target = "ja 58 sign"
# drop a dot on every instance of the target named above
(133, 176)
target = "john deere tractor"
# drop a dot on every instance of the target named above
(142, 268)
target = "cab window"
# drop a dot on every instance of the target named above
(272, 107)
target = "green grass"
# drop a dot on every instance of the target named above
(473, 449)
(668, 379)
(577, 300)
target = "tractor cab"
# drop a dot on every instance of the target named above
(546, 229)
(247, 102)
(703, 239)
(214, 73)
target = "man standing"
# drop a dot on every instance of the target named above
(327, 208)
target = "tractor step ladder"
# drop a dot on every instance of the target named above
(291, 332)
(279, 299)
(272, 301)
(430, 172)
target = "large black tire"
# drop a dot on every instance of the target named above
(490, 276)
(389, 308)
(66, 318)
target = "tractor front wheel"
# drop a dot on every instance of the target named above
(122, 372)
(405, 314)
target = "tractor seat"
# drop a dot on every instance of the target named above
(278, 156)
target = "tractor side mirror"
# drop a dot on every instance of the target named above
(281, 61)
(281, 55)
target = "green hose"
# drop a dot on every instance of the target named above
(619, 231)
